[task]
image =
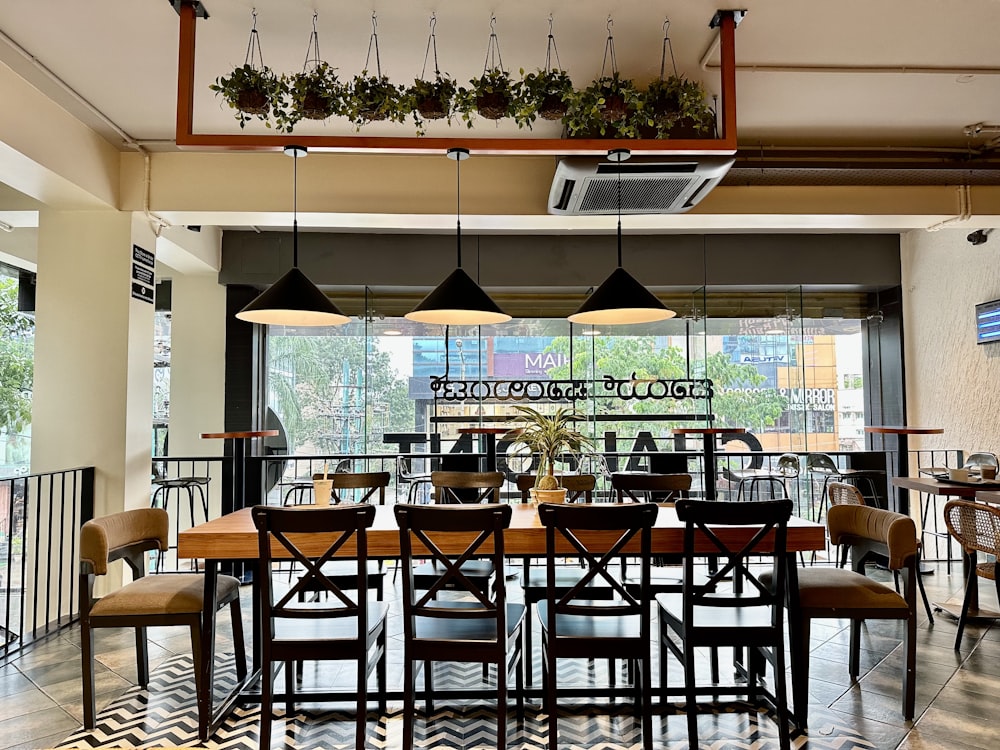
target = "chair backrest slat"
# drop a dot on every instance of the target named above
(479, 532)
(448, 486)
(294, 531)
(371, 481)
(641, 487)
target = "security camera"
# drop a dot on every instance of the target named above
(979, 236)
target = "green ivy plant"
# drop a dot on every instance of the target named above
(675, 102)
(494, 95)
(251, 91)
(374, 98)
(315, 94)
(431, 100)
(607, 107)
(544, 93)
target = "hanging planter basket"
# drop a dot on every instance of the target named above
(494, 95)
(373, 98)
(674, 106)
(252, 88)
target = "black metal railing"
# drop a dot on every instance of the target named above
(40, 518)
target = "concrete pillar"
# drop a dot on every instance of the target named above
(92, 402)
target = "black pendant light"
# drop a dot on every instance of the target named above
(620, 299)
(293, 300)
(458, 300)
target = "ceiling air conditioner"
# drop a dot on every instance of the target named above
(650, 185)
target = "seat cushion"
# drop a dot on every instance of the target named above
(595, 626)
(840, 590)
(471, 629)
(172, 593)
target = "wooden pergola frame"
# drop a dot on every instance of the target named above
(189, 10)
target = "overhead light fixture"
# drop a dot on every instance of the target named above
(6, 227)
(458, 300)
(620, 299)
(293, 300)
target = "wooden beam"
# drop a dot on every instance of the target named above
(186, 137)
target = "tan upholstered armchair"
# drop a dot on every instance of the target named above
(169, 599)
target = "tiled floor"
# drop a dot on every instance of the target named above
(958, 693)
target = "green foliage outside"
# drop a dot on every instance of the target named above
(623, 357)
(319, 388)
(16, 373)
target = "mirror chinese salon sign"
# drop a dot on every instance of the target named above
(813, 399)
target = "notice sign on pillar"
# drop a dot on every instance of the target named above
(143, 275)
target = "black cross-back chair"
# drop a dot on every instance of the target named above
(338, 628)
(579, 489)
(748, 613)
(574, 624)
(638, 487)
(483, 627)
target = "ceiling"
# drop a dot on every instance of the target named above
(825, 92)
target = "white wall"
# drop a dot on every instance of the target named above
(951, 382)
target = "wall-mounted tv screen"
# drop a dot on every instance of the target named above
(988, 322)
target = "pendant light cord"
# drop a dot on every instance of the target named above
(619, 214)
(295, 210)
(458, 209)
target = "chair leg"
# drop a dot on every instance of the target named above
(646, 670)
(501, 705)
(967, 600)
(519, 681)
(239, 642)
(551, 706)
(781, 697)
(198, 657)
(854, 657)
(380, 671)
(290, 674)
(691, 700)
(87, 649)
(923, 593)
(910, 673)
(142, 657)
(428, 689)
(266, 702)
(409, 703)
(798, 635)
(361, 725)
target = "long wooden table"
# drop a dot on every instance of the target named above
(233, 537)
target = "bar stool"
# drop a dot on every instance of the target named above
(820, 464)
(161, 499)
(787, 468)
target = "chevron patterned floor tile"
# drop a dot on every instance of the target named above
(166, 716)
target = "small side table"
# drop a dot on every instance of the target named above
(709, 433)
(487, 435)
(902, 455)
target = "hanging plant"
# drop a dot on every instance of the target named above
(673, 102)
(494, 95)
(371, 98)
(431, 99)
(252, 88)
(314, 94)
(608, 105)
(546, 92)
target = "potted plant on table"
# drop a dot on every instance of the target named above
(549, 436)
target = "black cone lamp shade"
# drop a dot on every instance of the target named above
(621, 299)
(293, 300)
(458, 300)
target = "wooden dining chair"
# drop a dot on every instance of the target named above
(149, 600)
(467, 486)
(639, 487)
(534, 583)
(482, 627)
(834, 593)
(976, 527)
(298, 628)
(573, 624)
(744, 612)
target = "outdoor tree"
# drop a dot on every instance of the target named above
(16, 368)
(327, 389)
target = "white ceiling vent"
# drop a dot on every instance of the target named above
(650, 185)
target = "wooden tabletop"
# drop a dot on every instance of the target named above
(239, 434)
(707, 430)
(485, 430)
(934, 487)
(900, 430)
(991, 496)
(233, 537)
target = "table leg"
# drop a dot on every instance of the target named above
(709, 468)
(902, 470)
(491, 452)
(235, 502)
(207, 666)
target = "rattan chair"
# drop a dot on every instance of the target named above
(168, 599)
(976, 527)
